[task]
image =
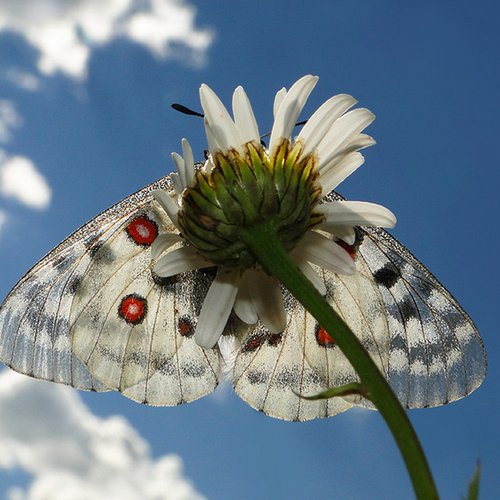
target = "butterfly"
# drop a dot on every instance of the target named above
(93, 315)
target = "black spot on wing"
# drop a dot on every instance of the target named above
(387, 276)
(287, 378)
(104, 255)
(398, 342)
(93, 247)
(162, 364)
(60, 262)
(74, 284)
(408, 309)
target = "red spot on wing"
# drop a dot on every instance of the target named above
(348, 248)
(256, 341)
(185, 326)
(253, 343)
(323, 338)
(274, 339)
(132, 308)
(142, 230)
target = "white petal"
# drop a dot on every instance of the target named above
(345, 233)
(187, 153)
(362, 141)
(339, 170)
(356, 213)
(320, 122)
(311, 274)
(168, 204)
(179, 166)
(219, 121)
(180, 260)
(290, 109)
(163, 242)
(268, 300)
(212, 143)
(244, 117)
(176, 181)
(342, 132)
(217, 307)
(243, 305)
(324, 252)
(278, 99)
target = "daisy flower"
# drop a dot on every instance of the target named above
(244, 183)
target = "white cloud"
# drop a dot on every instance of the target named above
(22, 79)
(166, 25)
(20, 179)
(9, 119)
(64, 32)
(71, 453)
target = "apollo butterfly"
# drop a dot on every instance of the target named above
(93, 315)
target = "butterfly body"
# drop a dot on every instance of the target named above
(93, 315)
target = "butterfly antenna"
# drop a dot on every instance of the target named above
(298, 124)
(186, 111)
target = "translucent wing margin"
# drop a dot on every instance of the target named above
(436, 354)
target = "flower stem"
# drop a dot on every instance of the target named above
(265, 244)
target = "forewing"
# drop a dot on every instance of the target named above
(35, 318)
(436, 354)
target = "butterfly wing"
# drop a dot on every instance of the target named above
(425, 344)
(62, 321)
(436, 354)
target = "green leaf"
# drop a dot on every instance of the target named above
(334, 392)
(473, 493)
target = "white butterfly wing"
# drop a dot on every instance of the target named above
(34, 318)
(421, 339)
(436, 354)
(45, 320)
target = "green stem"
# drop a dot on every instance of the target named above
(267, 248)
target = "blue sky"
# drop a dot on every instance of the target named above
(87, 120)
